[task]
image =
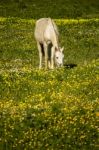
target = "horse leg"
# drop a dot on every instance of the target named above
(46, 55)
(49, 64)
(40, 55)
(52, 57)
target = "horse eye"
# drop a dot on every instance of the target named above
(57, 57)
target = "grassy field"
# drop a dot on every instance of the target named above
(49, 109)
(49, 8)
(55, 109)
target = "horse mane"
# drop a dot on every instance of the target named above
(56, 31)
(55, 28)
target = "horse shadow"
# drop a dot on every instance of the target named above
(70, 66)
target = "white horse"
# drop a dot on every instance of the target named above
(47, 35)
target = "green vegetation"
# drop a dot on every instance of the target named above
(49, 8)
(49, 109)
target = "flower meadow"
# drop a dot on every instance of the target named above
(49, 109)
(55, 110)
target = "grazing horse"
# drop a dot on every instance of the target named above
(47, 37)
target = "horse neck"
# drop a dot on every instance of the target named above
(55, 41)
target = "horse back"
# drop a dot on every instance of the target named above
(44, 25)
(40, 28)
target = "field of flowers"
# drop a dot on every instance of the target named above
(49, 109)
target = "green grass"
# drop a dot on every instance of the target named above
(54, 9)
(49, 109)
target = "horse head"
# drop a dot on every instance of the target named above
(59, 56)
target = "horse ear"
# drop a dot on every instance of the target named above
(62, 49)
